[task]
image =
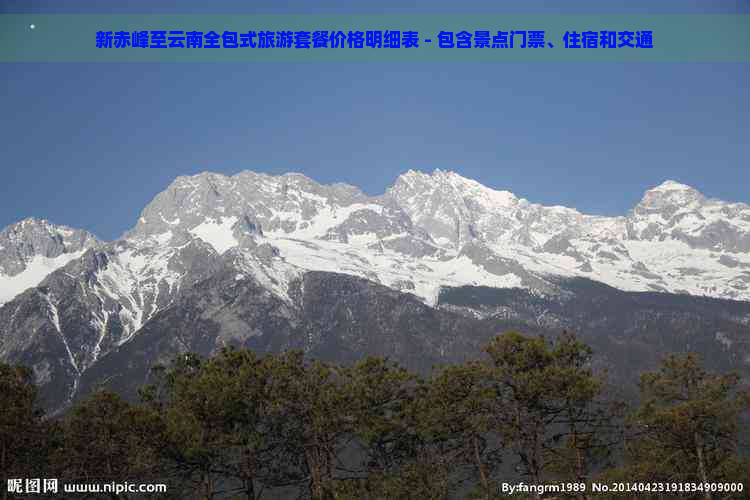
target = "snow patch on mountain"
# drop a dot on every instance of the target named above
(274, 274)
(140, 279)
(38, 268)
(218, 233)
(422, 278)
(54, 317)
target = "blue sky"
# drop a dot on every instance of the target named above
(89, 145)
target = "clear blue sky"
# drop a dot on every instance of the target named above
(89, 145)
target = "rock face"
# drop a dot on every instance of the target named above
(629, 331)
(342, 318)
(272, 262)
(332, 316)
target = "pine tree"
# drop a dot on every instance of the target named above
(24, 443)
(687, 426)
(549, 406)
(384, 443)
(193, 441)
(589, 425)
(106, 439)
(379, 393)
(312, 411)
(456, 418)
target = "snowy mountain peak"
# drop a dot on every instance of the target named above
(30, 224)
(670, 194)
(33, 236)
(452, 183)
(456, 210)
(675, 211)
(671, 185)
(30, 221)
(33, 248)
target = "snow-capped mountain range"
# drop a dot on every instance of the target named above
(426, 231)
(63, 291)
